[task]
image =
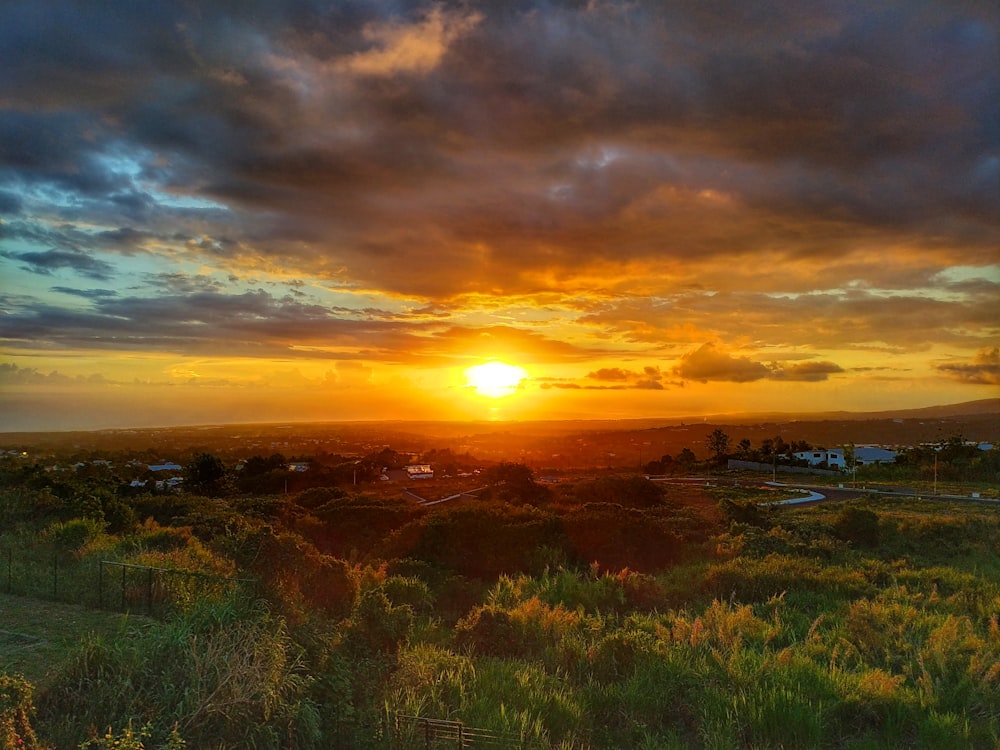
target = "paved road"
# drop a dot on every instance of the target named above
(819, 492)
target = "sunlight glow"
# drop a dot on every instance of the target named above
(495, 379)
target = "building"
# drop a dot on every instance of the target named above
(867, 454)
(419, 471)
(833, 458)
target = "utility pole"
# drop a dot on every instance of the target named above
(935, 471)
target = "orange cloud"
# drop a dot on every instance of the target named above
(984, 369)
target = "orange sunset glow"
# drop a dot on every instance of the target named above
(466, 211)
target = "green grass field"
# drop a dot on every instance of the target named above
(36, 636)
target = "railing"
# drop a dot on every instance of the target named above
(426, 733)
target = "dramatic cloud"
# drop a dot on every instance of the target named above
(708, 363)
(86, 293)
(809, 372)
(613, 374)
(576, 186)
(649, 379)
(984, 369)
(11, 375)
(409, 48)
(52, 260)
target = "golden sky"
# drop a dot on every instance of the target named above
(301, 210)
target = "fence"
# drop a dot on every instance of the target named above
(413, 732)
(109, 584)
(156, 589)
(781, 468)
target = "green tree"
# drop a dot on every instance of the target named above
(718, 443)
(509, 473)
(514, 483)
(205, 474)
(686, 458)
(743, 448)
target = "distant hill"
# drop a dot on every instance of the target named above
(981, 407)
(554, 443)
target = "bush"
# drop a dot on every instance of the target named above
(151, 537)
(631, 492)
(222, 675)
(74, 535)
(376, 626)
(857, 525)
(16, 710)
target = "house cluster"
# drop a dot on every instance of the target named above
(864, 455)
(407, 473)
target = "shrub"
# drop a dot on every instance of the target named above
(222, 675)
(74, 535)
(408, 591)
(376, 626)
(151, 537)
(431, 681)
(631, 492)
(16, 710)
(857, 525)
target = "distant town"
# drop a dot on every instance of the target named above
(291, 457)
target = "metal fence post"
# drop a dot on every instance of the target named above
(10, 566)
(123, 587)
(149, 591)
(100, 584)
(55, 576)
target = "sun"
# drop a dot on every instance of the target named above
(495, 379)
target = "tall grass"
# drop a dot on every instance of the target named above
(220, 676)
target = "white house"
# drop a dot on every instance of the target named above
(868, 454)
(419, 471)
(833, 458)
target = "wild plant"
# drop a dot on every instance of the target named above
(222, 675)
(17, 710)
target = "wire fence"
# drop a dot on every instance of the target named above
(440, 734)
(111, 584)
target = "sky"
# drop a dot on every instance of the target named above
(303, 210)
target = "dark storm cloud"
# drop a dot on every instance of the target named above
(10, 204)
(549, 134)
(191, 316)
(253, 323)
(808, 168)
(47, 262)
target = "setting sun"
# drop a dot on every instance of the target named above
(495, 379)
